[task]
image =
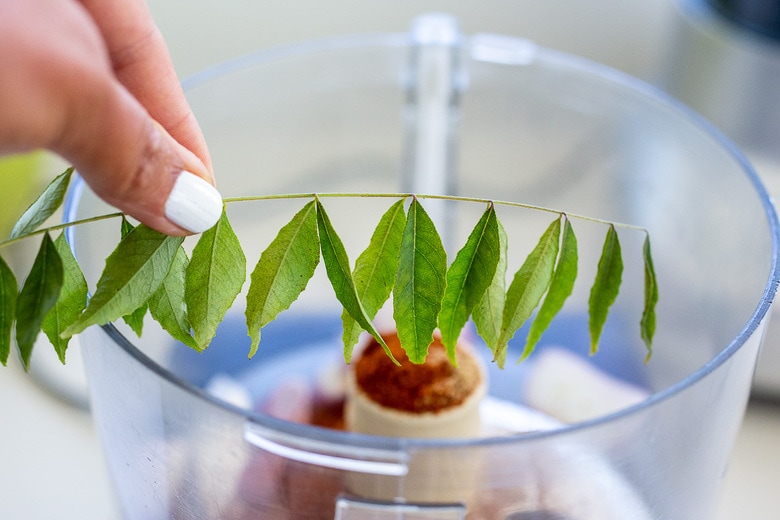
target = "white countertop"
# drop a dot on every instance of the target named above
(751, 486)
(52, 465)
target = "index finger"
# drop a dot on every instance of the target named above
(142, 63)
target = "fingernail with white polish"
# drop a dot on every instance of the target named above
(193, 204)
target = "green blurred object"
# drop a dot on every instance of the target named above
(20, 181)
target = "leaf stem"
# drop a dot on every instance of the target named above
(459, 198)
(41, 231)
(311, 195)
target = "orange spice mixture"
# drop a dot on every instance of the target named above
(432, 386)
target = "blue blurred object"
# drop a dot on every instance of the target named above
(761, 16)
(301, 344)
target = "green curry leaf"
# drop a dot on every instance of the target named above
(647, 323)
(167, 305)
(38, 295)
(337, 266)
(375, 270)
(469, 276)
(561, 287)
(419, 284)
(8, 294)
(71, 302)
(487, 315)
(134, 320)
(213, 279)
(605, 287)
(133, 272)
(528, 286)
(44, 206)
(282, 272)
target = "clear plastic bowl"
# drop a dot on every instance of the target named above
(489, 116)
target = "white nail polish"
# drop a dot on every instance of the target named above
(193, 204)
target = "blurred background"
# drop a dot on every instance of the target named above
(626, 34)
(719, 57)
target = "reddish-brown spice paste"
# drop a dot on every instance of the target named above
(432, 386)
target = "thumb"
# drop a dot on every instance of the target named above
(132, 163)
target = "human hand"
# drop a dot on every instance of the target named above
(92, 81)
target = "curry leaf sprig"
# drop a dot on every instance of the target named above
(151, 273)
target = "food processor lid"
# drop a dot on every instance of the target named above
(759, 16)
